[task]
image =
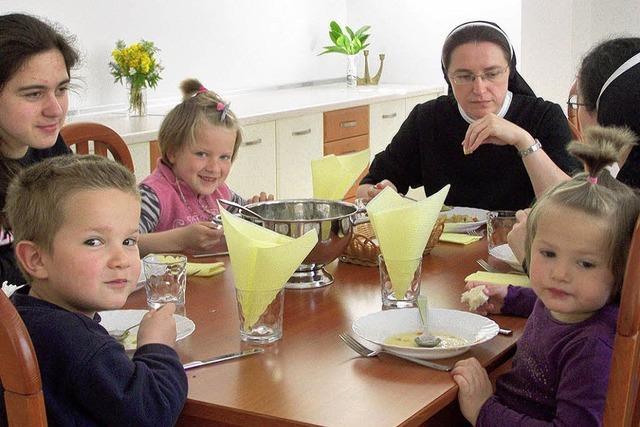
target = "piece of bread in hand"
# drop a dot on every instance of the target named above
(475, 297)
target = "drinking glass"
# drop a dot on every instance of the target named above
(166, 276)
(411, 270)
(261, 315)
(499, 223)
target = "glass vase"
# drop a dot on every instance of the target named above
(137, 100)
(352, 71)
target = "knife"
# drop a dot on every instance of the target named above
(222, 358)
(422, 362)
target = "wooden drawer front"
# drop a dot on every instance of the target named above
(340, 124)
(346, 146)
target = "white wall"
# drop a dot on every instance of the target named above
(411, 32)
(227, 44)
(239, 44)
(556, 34)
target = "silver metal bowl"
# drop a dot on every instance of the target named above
(333, 220)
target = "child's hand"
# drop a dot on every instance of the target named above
(262, 197)
(496, 294)
(158, 326)
(474, 387)
(200, 237)
(518, 234)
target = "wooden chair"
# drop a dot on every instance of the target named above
(104, 140)
(19, 370)
(623, 398)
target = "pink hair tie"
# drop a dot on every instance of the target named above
(592, 179)
(202, 89)
(223, 108)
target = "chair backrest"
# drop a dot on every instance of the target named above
(623, 397)
(572, 113)
(104, 140)
(19, 370)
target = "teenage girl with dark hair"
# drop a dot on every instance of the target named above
(35, 60)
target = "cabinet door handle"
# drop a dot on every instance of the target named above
(389, 116)
(253, 142)
(350, 124)
(301, 132)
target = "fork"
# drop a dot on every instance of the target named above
(367, 352)
(475, 233)
(491, 269)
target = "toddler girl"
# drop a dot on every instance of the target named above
(199, 140)
(578, 238)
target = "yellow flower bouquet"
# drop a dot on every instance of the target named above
(138, 66)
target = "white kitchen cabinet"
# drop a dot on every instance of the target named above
(299, 140)
(254, 168)
(385, 119)
(411, 102)
(140, 156)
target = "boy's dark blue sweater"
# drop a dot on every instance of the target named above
(87, 377)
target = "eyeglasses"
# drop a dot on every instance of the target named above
(573, 103)
(488, 76)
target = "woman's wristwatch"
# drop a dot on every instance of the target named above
(532, 149)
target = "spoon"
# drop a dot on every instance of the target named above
(122, 335)
(426, 339)
(242, 208)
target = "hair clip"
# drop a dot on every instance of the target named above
(223, 108)
(592, 179)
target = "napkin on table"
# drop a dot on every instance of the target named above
(403, 227)
(204, 269)
(262, 260)
(499, 278)
(333, 175)
(460, 238)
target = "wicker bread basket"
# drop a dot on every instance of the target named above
(364, 250)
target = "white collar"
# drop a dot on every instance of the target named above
(503, 110)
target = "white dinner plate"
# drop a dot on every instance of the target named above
(505, 254)
(377, 327)
(119, 320)
(463, 227)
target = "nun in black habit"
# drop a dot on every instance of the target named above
(489, 137)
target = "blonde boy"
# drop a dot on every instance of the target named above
(75, 221)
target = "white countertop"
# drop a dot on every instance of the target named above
(264, 105)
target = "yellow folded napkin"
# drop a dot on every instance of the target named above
(460, 238)
(499, 278)
(204, 269)
(262, 261)
(333, 175)
(403, 227)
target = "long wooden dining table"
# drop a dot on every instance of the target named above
(309, 377)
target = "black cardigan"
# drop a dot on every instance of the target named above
(427, 151)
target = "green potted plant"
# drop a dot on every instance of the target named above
(348, 43)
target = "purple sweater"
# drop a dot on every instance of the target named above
(560, 371)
